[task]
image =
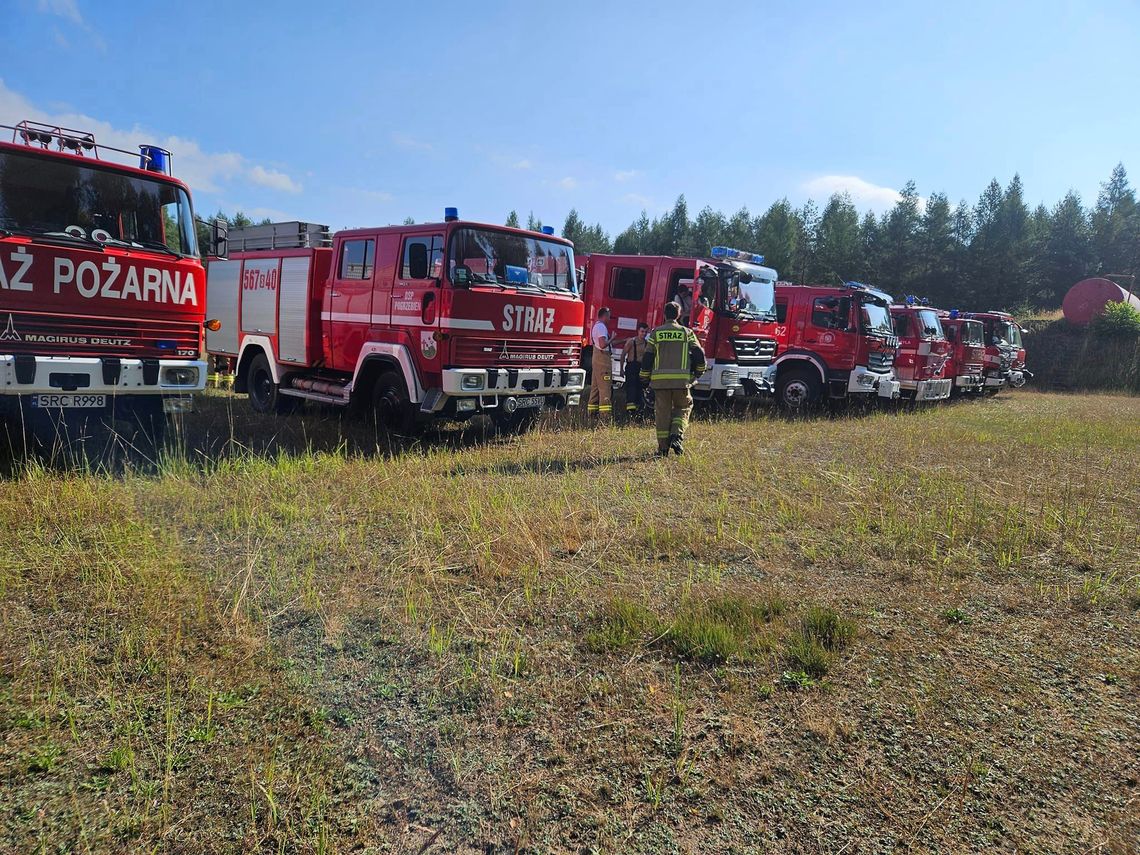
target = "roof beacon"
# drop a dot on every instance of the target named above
(548, 230)
(450, 215)
(735, 254)
(154, 159)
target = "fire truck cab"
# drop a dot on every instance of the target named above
(727, 300)
(102, 292)
(965, 367)
(1005, 353)
(923, 352)
(411, 323)
(834, 343)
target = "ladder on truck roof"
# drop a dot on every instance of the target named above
(289, 235)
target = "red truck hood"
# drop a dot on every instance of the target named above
(86, 302)
(488, 327)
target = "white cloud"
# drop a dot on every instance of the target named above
(522, 164)
(863, 193)
(273, 179)
(203, 171)
(636, 199)
(623, 175)
(62, 9)
(567, 183)
(267, 213)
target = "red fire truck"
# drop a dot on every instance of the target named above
(834, 342)
(1005, 354)
(410, 323)
(102, 296)
(923, 352)
(966, 364)
(727, 299)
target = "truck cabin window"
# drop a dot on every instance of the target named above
(902, 326)
(488, 257)
(751, 291)
(423, 257)
(44, 197)
(875, 317)
(928, 323)
(831, 313)
(356, 259)
(627, 283)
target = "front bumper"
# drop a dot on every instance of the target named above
(863, 380)
(52, 375)
(969, 382)
(725, 377)
(994, 382)
(932, 390)
(472, 390)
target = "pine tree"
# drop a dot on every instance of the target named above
(899, 243)
(838, 250)
(806, 220)
(869, 270)
(936, 247)
(775, 235)
(1068, 255)
(533, 224)
(512, 220)
(1116, 225)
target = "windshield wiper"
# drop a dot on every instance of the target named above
(61, 238)
(158, 245)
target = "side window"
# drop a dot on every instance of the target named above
(951, 334)
(356, 259)
(423, 257)
(831, 313)
(781, 313)
(627, 283)
(901, 325)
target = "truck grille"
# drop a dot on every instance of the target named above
(471, 352)
(754, 351)
(70, 335)
(880, 360)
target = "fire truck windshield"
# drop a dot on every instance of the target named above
(971, 333)
(752, 294)
(875, 317)
(491, 257)
(50, 197)
(929, 324)
(1004, 332)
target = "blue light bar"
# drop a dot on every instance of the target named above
(154, 159)
(450, 215)
(955, 314)
(548, 230)
(735, 254)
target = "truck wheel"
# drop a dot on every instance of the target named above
(516, 423)
(391, 407)
(264, 395)
(798, 389)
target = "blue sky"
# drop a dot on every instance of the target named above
(357, 114)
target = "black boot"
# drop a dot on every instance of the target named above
(675, 445)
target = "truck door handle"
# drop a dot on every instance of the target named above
(334, 293)
(811, 340)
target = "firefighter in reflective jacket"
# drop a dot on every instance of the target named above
(673, 360)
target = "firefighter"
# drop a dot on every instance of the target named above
(673, 360)
(631, 357)
(601, 368)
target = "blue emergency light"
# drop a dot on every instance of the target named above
(954, 314)
(450, 215)
(548, 230)
(735, 254)
(154, 159)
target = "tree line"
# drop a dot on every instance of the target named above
(996, 253)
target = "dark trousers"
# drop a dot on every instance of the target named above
(634, 394)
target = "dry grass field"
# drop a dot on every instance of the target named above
(892, 632)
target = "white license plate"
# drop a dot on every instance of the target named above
(69, 401)
(530, 403)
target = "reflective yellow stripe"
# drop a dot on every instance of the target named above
(605, 408)
(671, 375)
(662, 434)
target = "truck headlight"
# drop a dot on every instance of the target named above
(180, 376)
(464, 405)
(472, 382)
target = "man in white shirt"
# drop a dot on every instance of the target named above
(601, 367)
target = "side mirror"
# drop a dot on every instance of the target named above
(220, 238)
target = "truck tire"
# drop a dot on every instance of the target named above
(798, 390)
(391, 407)
(264, 395)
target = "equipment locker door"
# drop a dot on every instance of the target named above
(348, 310)
(416, 296)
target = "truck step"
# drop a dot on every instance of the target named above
(338, 400)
